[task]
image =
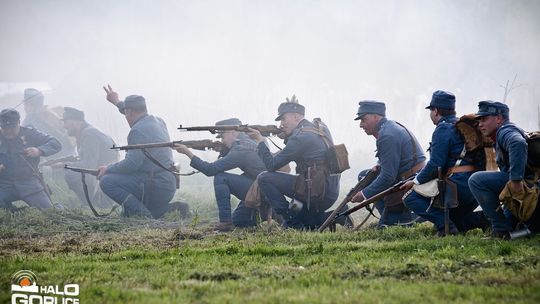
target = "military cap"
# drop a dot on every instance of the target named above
(370, 107)
(33, 96)
(290, 106)
(227, 122)
(136, 102)
(9, 118)
(489, 107)
(442, 100)
(72, 114)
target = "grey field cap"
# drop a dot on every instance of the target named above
(228, 122)
(290, 106)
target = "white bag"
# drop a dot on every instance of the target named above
(429, 189)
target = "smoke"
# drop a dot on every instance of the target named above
(197, 62)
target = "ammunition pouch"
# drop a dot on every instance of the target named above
(318, 172)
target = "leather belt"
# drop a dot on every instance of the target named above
(413, 170)
(460, 169)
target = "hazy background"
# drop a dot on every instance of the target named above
(197, 62)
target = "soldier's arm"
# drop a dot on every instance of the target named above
(232, 160)
(440, 145)
(516, 145)
(134, 158)
(293, 150)
(48, 145)
(389, 151)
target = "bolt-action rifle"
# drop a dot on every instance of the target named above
(266, 130)
(205, 144)
(374, 198)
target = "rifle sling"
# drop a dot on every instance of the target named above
(85, 189)
(157, 163)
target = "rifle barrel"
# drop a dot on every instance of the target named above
(82, 170)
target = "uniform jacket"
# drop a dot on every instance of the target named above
(147, 129)
(243, 155)
(395, 154)
(48, 123)
(445, 148)
(94, 148)
(304, 148)
(511, 149)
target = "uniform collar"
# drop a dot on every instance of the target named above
(139, 119)
(449, 118)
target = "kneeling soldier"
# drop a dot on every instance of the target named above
(20, 152)
(448, 152)
(511, 150)
(242, 154)
(308, 149)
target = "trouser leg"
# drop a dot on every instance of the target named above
(486, 186)
(275, 186)
(127, 191)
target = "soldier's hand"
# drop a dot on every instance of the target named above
(255, 135)
(32, 152)
(516, 186)
(101, 171)
(358, 197)
(183, 149)
(2, 167)
(407, 186)
(112, 96)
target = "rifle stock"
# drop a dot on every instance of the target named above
(202, 145)
(364, 182)
(375, 198)
(82, 170)
(266, 130)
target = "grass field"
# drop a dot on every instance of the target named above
(117, 260)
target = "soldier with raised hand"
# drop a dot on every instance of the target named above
(511, 150)
(241, 153)
(448, 152)
(20, 152)
(399, 157)
(93, 149)
(308, 150)
(137, 182)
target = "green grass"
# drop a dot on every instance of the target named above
(118, 260)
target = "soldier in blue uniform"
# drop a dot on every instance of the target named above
(39, 117)
(142, 187)
(400, 156)
(448, 152)
(308, 150)
(94, 150)
(20, 152)
(242, 154)
(511, 151)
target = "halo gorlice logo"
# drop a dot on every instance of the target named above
(24, 290)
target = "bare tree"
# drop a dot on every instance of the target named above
(508, 89)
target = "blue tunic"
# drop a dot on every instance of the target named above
(17, 172)
(304, 148)
(243, 155)
(147, 129)
(511, 148)
(395, 154)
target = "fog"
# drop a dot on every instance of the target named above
(197, 62)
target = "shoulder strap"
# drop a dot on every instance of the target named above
(415, 155)
(318, 132)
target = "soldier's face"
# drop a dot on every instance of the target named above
(369, 122)
(289, 121)
(489, 124)
(434, 115)
(70, 127)
(228, 138)
(11, 132)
